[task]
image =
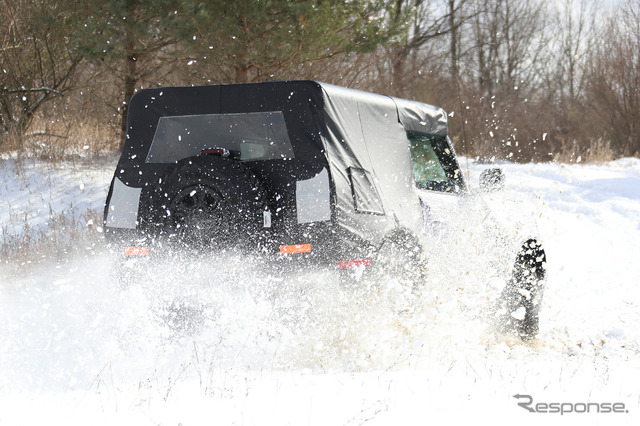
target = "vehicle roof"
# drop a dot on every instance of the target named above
(414, 116)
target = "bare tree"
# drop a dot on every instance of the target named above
(37, 60)
(507, 40)
(613, 89)
(498, 60)
(574, 29)
(430, 23)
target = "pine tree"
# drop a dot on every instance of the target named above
(254, 40)
(130, 37)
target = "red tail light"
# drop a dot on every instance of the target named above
(136, 251)
(354, 263)
(296, 248)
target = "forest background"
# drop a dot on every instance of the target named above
(521, 80)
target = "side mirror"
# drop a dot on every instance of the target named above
(492, 180)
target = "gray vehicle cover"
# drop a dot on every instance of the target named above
(359, 138)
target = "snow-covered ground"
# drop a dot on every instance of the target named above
(189, 347)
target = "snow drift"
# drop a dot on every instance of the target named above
(185, 345)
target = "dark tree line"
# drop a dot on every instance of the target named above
(521, 79)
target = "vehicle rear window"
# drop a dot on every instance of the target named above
(248, 137)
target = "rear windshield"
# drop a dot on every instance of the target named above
(248, 136)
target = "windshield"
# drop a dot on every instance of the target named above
(434, 164)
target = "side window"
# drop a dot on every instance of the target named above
(434, 165)
(365, 196)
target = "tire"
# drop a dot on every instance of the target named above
(213, 203)
(519, 303)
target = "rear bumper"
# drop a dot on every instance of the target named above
(327, 250)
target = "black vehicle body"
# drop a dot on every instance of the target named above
(333, 165)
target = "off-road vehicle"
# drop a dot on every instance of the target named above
(297, 171)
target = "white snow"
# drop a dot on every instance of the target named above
(35, 194)
(187, 346)
(519, 313)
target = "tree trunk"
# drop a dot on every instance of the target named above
(242, 74)
(454, 40)
(130, 81)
